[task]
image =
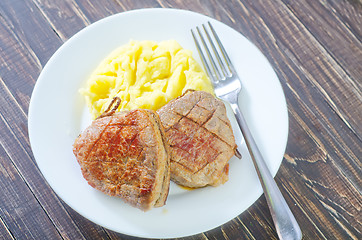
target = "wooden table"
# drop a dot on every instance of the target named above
(314, 47)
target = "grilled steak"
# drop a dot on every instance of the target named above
(125, 155)
(200, 137)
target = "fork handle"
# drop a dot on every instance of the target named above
(285, 223)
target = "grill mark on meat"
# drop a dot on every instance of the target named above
(196, 150)
(181, 116)
(184, 134)
(184, 151)
(207, 119)
(134, 142)
(100, 136)
(116, 135)
(129, 150)
(113, 147)
(184, 114)
(215, 135)
(126, 155)
(219, 153)
(182, 165)
(129, 170)
(199, 169)
(193, 106)
(211, 115)
(200, 137)
(213, 112)
(186, 143)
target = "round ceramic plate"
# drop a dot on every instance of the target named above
(58, 113)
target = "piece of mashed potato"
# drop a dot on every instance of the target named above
(144, 74)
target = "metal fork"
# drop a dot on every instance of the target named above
(227, 86)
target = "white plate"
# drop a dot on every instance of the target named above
(57, 114)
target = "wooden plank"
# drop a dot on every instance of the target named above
(96, 10)
(316, 139)
(64, 17)
(31, 61)
(21, 55)
(344, 140)
(334, 133)
(23, 20)
(330, 202)
(4, 231)
(311, 96)
(21, 61)
(19, 208)
(316, 162)
(338, 88)
(13, 141)
(297, 43)
(68, 17)
(313, 109)
(316, 144)
(315, 155)
(331, 32)
(88, 229)
(255, 223)
(10, 125)
(310, 88)
(350, 12)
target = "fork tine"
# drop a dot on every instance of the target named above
(203, 59)
(223, 51)
(216, 53)
(213, 70)
(208, 53)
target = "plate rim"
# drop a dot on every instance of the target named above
(77, 35)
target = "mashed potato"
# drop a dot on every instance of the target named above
(144, 74)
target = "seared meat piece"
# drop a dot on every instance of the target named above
(125, 155)
(200, 137)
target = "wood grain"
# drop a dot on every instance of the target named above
(21, 212)
(29, 176)
(4, 231)
(21, 53)
(15, 96)
(314, 47)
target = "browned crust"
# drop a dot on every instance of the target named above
(125, 155)
(166, 175)
(200, 137)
